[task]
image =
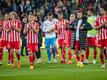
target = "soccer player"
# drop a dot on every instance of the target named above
(101, 26)
(61, 28)
(50, 36)
(1, 24)
(80, 31)
(4, 38)
(14, 38)
(38, 54)
(91, 36)
(31, 30)
(70, 40)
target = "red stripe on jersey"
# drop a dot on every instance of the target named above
(32, 37)
(14, 36)
(102, 31)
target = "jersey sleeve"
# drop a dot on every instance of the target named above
(19, 24)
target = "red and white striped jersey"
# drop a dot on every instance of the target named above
(4, 34)
(13, 35)
(102, 31)
(32, 37)
(61, 27)
(1, 23)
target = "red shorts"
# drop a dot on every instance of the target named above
(14, 45)
(4, 44)
(102, 43)
(77, 44)
(69, 43)
(62, 42)
(32, 47)
(91, 41)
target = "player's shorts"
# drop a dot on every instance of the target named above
(50, 42)
(14, 45)
(62, 43)
(91, 41)
(4, 43)
(69, 43)
(102, 43)
(77, 44)
(32, 47)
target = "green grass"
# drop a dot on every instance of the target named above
(53, 71)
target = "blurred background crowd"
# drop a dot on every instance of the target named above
(42, 7)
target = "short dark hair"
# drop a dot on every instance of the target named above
(91, 10)
(49, 14)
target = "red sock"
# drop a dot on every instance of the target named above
(69, 55)
(31, 59)
(74, 52)
(82, 58)
(56, 51)
(87, 53)
(12, 58)
(95, 53)
(106, 55)
(78, 58)
(63, 54)
(9, 55)
(102, 58)
(18, 56)
(1, 55)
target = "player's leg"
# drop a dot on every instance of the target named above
(69, 55)
(1, 55)
(78, 57)
(2, 44)
(57, 53)
(8, 56)
(38, 55)
(22, 48)
(87, 54)
(77, 52)
(17, 50)
(82, 57)
(12, 58)
(63, 52)
(18, 58)
(95, 55)
(102, 57)
(30, 54)
(33, 54)
(31, 59)
(101, 46)
(69, 51)
(47, 45)
(53, 45)
(105, 53)
(88, 49)
(8, 48)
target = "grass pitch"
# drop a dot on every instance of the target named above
(53, 71)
